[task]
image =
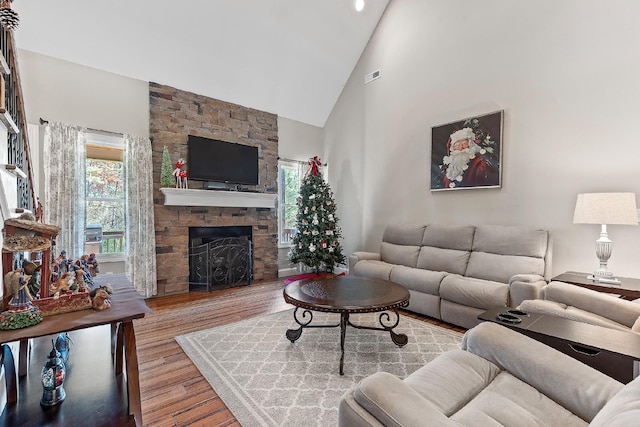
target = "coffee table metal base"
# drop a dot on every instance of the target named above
(384, 319)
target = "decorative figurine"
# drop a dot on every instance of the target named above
(101, 297)
(21, 312)
(179, 174)
(94, 267)
(53, 373)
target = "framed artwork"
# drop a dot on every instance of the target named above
(467, 154)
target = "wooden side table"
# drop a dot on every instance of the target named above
(629, 289)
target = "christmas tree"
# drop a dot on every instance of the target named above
(166, 172)
(316, 243)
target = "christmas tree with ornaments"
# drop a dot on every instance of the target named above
(317, 242)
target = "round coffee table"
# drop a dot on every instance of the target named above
(346, 295)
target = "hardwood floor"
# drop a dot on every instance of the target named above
(172, 389)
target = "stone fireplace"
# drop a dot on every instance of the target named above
(176, 114)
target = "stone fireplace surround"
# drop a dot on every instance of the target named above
(174, 114)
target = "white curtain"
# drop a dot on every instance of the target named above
(64, 168)
(140, 231)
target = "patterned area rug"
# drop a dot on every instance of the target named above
(265, 380)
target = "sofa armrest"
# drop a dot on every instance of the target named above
(359, 256)
(525, 286)
(574, 385)
(394, 403)
(600, 303)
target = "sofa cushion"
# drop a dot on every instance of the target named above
(404, 234)
(511, 240)
(372, 268)
(501, 268)
(508, 401)
(474, 292)
(500, 252)
(459, 237)
(452, 379)
(394, 404)
(399, 254)
(622, 410)
(424, 281)
(439, 259)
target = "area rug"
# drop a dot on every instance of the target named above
(265, 380)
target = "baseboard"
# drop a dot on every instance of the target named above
(291, 271)
(286, 272)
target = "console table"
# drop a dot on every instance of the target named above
(628, 289)
(612, 352)
(126, 306)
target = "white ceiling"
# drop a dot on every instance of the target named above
(289, 57)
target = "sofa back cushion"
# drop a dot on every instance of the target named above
(499, 252)
(401, 244)
(446, 248)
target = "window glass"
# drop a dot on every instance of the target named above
(105, 195)
(288, 189)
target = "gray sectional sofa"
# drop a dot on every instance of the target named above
(498, 378)
(455, 272)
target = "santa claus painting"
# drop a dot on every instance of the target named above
(466, 154)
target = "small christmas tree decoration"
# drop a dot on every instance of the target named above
(166, 171)
(8, 17)
(317, 243)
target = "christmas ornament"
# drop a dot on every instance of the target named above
(8, 17)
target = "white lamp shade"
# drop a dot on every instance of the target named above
(606, 208)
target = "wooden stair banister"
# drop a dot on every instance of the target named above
(13, 115)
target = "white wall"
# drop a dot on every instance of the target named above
(298, 141)
(62, 91)
(564, 72)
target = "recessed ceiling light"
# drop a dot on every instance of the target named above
(359, 5)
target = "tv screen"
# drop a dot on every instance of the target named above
(220, 161)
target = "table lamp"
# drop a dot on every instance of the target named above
(603, 209)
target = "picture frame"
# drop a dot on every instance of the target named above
(467, 154)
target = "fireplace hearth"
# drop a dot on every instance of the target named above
(220, 257)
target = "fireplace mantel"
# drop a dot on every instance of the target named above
(234, 199)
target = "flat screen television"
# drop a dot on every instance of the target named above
(219, 161)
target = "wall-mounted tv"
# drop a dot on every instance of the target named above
(219, 161)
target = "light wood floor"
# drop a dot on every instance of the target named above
(172, 389)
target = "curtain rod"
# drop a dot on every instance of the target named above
(296, 161)
(108, 132)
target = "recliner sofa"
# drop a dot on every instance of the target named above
(498, 378)
(455, 272)
(572, 302)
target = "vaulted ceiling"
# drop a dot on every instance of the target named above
(289, 57)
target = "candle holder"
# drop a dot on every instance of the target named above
(52, 377)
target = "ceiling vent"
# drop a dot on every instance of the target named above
(368, 78)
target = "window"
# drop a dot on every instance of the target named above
(289, 178)
(105, 197)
